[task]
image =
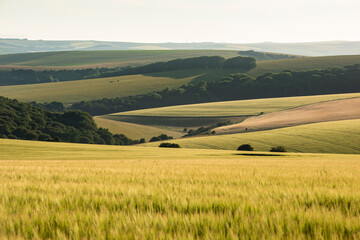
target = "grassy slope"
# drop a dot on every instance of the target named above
(134, 131)
(305, 63)
(236, 108)
(106, 58)
(327, 137)
(90, 89)
(75, 191)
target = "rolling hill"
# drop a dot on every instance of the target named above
(110, 87)
(176, 118)
(306, 48)
(92, 89)
(326, 137)
(318, 112)
(91, 59)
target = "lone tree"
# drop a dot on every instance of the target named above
(278, 149)
(245, 147)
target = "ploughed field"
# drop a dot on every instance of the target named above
(74, 191)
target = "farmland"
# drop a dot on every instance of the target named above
(58, 190)
(86, 59)
(326, 137)
(91, 89)
(236, 108)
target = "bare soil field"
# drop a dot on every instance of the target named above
(313, 113)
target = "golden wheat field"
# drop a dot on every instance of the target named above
(75, 191)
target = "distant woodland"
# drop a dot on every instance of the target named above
(24, 121)
(237, 87)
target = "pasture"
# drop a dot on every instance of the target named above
(110, 87)
(325, 137)
(75, 191)
(111, 58)
(236, 108)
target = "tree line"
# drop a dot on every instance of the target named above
(204, 62)
(21, 76)
(236, 87)
(24, 76)
(24, 121)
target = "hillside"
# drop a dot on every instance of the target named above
(308, 48)
(132, 130)
(327, 137)
(111, 87)
(87, 59)
(318, 112)
(194, 116)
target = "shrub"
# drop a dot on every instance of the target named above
(169, 145)
(278, 149)
(245, 147)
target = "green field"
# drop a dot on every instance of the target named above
(235, 108)
(78, 191)
(106, 58)
(306, 63)
(92, 89)
(326, 137)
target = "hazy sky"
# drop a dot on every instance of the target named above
(236, 21)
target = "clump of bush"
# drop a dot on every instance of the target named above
(161, 137)
(169, 145)
(278, 149)
(245, 147)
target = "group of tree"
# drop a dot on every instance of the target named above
(264, 56)
(204, 62)
(25, 121)
(237, 87)
(161, 137)
(23, 76)
(248, 147)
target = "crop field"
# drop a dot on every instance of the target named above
(236, 108)
(92, 89)
(134, 131)
(326, 137)
(305, 63)
(78, 191)
(115, 58)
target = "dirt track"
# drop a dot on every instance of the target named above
(313, 113)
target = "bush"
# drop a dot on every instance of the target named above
(245, 147)
(169, 145)
(278, 149)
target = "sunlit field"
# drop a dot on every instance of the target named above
(77, 191)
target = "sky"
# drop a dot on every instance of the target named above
(231, 21)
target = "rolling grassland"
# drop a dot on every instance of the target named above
(306, 63)
(326, 137)
(120, 58)
(110, 87)
(78, 191)
(236, 108)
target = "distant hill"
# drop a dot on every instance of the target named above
(308, 49)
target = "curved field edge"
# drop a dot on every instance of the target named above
(235, 108)
(133, 131)
(327, 137)
(76, 191)
(109, 87)
(336, 110)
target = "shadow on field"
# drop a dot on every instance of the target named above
(198, 74)
(260, 154)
